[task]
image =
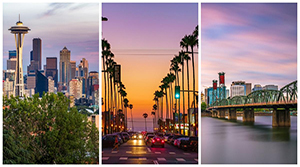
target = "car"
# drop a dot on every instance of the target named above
(149, 138)
(166, 136)
(174, 138)
(134, 136)
(158, 141)
(139, 136)
(109, 140)
(148, 133)
(126, 135)
(189, 143)
(121, 136)
(178, 141)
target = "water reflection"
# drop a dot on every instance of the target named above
(225, 141)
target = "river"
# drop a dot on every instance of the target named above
(233, 142)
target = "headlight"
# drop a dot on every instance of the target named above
(140, 136)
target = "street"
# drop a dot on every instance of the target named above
(137, 152)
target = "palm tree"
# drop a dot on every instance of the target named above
(181, 54)
(131, 106)
(126, 101)
(110, 69)
(154, 108)
(145, 115)
(172, 78)
(187, 58)
(153, 113)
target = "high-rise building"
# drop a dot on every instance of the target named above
(75, 88)
(19, 32)
(256, 87)
(93, 79)
(51, 69)
(64, 66)
(73, 69)
(209, 95)
(33, 66)
(248, 88)
(8, 87)
(237, 90)
(270, 87)
(10, 74)
(51, 88)
(11, 63)
(37, 51)
(82, 72)
(31, 80)
(41, 83)
(12, 54)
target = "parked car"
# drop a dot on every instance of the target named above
(109, 140)
(177, 141)
(174, 138)
(149, 138)
(187, 143)
(158, 141)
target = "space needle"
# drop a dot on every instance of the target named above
(19, 31)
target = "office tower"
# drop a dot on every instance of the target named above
(93, 79)
(11, 63)
(51, 88)
(248, 88)
(64, 66)
(37, 51)
(82, 72)
(10, 74)
(8, 87)
(41, 83)
(73, 69)
(31, 80)
(237, 90)
(12, 54)
(19, 32)
(51, 69)
(75, 88)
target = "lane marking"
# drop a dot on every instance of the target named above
(161, 159)
(157, 152)
(149, 150)
(155, 162)
(114, 152)
(105, 158)
(187, 153)
(172, 153)
(180, 159)
(196, 159)
(129, 152)
(123, 158)
(142, 158)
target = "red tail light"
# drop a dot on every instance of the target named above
(162, 141)
(153, 141)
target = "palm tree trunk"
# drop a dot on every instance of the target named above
(111, 98)
(194, 97)
(167, 106)
(105, 107)
(188, 85)
(183, 102)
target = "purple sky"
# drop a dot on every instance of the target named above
(256, 43)
(144, 38)
(73, 25)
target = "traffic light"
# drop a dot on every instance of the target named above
(177, 92)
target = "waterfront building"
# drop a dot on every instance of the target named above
(237, 90)
(270, 87)
(256, 87)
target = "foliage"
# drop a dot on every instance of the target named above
(203, 106)
(45, 131)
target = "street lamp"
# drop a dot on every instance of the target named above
(145, 115)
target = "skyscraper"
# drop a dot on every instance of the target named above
(41, 83)
(12, 54)
(64, 66)
(19, 31)
(51, 69)
(73, 69)
(37, 51)
(82, 72)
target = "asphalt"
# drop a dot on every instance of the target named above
(137, 152)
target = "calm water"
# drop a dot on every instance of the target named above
(226, 142)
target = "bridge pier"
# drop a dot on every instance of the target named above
(281, 118)
(214, 114)
(221, 113)
(232, 114)
(248, 115)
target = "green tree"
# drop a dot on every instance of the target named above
(203, 106)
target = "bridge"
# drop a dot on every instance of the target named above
(281, 101)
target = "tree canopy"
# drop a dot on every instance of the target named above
(46, 131)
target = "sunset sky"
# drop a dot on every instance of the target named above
(73, 25)
(256, 43)
(144, 38)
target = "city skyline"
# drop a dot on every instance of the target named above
(154, 31)
(256, 43)
(48, 22)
